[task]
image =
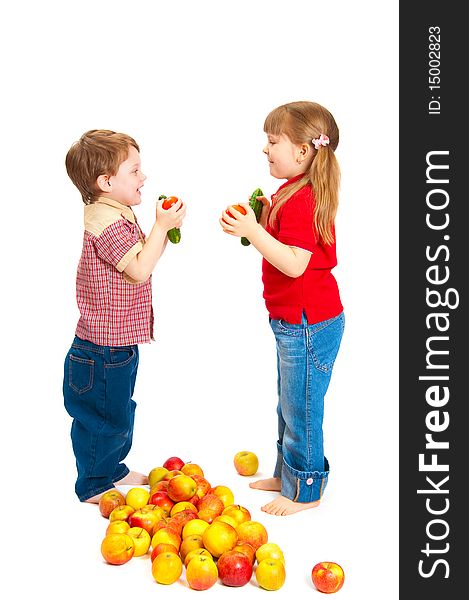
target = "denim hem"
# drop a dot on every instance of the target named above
(103, 488)
(303, 486)
(125, 471)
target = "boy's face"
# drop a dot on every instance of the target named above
(125, 185)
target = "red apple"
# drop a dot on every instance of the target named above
(234, 568)
(252, 532)
(211, 502)
(109, 501)
(246, 549)
(161, 486)
(181, 488)
(170, 474)
(146, 519)
(328, 577)
(117, 548)
(203, 485)
(162, 499)
(174, 462)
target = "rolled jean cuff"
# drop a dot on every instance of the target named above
(303, 486)
(279, 463)
(102, 487)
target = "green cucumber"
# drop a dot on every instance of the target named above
(174, 235)
(256, 206)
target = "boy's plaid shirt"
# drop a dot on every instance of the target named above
(114, 310)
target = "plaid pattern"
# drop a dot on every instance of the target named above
(114, 311)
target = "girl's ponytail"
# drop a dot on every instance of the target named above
(324, 175)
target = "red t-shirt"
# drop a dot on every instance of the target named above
(315, 292)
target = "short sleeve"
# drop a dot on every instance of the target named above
(296, 221)
(118, 243)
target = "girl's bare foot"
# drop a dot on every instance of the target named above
(272, 484)
(282, 506)
(133, 478)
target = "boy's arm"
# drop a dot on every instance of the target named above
(141, 267)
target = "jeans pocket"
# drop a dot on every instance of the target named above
(121, 356)
(324, 342)
(80, 374)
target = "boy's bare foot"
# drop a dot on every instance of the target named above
(272, 484)
(282, 506)
(133, 478)
(95, 499)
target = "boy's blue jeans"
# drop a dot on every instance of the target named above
(305, 357)
(98, 386)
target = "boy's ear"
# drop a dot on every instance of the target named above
(104, 184)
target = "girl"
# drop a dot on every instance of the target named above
(296, 238)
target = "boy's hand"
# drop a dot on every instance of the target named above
(171, 217)
(238, 224)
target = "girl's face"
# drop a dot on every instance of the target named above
(286, 159)
(125, 185)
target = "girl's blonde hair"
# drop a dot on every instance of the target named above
(97, 152)
(302, 122)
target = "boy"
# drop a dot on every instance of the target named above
(113, 289)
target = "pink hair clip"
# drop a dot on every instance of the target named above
(322, 140)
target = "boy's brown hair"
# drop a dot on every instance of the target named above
(97, 152)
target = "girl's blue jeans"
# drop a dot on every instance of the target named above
(305, 357)
(98, 386)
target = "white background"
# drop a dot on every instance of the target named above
(193, 82)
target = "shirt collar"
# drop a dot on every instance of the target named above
(292, 180)
(125, 211)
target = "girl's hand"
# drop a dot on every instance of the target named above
(171, 217)
(237, 224)
(265, 210)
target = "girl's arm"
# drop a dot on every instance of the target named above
(289, 260)
(141, 267)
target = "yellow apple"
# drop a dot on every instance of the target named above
(166, 568)
(194, 527)
(201, 573)
(238, 512)
(117, 527)
(141, 539)
(270, 574)
(246, 462)
(219, 537)
(117, 548)
(196, 552)
(223, 492)
(137, 497)
(269, 550)
(156, 475)
(191, 542)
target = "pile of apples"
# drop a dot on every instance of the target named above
(185, 524)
